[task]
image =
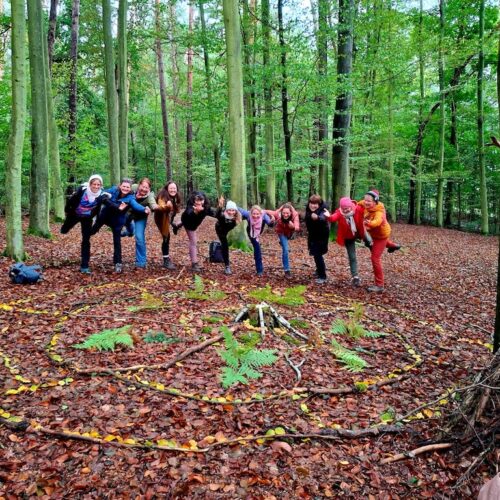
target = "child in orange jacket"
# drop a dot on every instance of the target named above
(376, 224)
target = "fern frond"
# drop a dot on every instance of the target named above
(230, 377)
(148, 301)
(256, 359)
(375, 335)
(107, 340)
(347, 357)
(199, 286)
(338, 327)
(248, 371)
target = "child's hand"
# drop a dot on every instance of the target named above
(327, 213)
(291, 224)
(122, 206)
(147, 210)
(221, 201)
(314, 216)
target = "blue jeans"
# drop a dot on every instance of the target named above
(140, 242)
(257, 255)
(284, 252)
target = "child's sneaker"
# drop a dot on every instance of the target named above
(85, 270)
(227, 270)
(168, 264)
(195, 267)
(118, 268)
(375, 289)
(321, 281)
(356, 281)
(393, 249)
(175, 228)
(288, 274)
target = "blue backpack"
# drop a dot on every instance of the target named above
(21, 274)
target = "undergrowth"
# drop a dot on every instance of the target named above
(293, 296)
(107, 340)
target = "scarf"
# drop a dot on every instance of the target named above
(255, 228)
(350, 222)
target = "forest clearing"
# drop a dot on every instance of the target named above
(163, 429)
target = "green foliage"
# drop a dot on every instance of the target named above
(291, 297)
(350, 359)
(300, 323)
(352, 327)
(388, 415)
(200, 293)
(213, 319)
(107, 340)
(153, 337)
(243, 360)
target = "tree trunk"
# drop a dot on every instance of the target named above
(174, 144)
(56, 188)
(235, 103)
(13, 174)
(189, 122)
(390, 161)
(284, 105)
(51, 35)
(442, 122)
(268, 108)
(2, 51)
(483, 191)
(163, 94)
(208, 83)
(73, 93)
(40, 186)
(343, 103)
(122, 87)
(249, 94)
(111, 96)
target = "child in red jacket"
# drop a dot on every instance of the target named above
(349, 217)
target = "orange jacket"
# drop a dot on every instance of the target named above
(376, 221)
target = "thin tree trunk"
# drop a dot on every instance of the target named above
(284, 105)
(415, 198)
(174, 144)
(343, 103)
(2, 51)
(73, 93)
(442, 122)
(390, 159)
(111, 96)
(40, 185)
(268, 109)
(208, 83)
(483, 191)
(163, 94)
(189, 123)
(56, 188)
(13, 174)
(51, 35)
(122, 87)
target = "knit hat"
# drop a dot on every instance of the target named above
(231, 205)
(346, 202)
(374, 194)
(93, 177)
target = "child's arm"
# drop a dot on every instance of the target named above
(375, 221)
(130, 201)
(244, 213)
(151, 201)
(334, 217)
(266, 219)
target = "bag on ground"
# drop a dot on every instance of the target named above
(215, 252)
(21, 274)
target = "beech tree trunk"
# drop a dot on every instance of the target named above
(111, 96)
(442, 122)
(483, 191)
(343, 103)
(174, 144)
(73, 93)
(40, 186)
(268, 108)
(163, 93)
(56, 189)
(51, 35)
(208, 83)
(13, 173)
(189, 122)
(235, 103)
(284, 105)
(122, 88)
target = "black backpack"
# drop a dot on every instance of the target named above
(21, 274)
(215, 252)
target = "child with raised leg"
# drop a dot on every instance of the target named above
(318, 231)
(228, 218)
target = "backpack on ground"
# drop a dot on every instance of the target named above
(215, 252)
(21, 274)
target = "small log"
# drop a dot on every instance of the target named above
(260, 308)
(415, 452)
(295, 368)
(241, 315)
(286, 324)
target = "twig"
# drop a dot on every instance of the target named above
(415, 452)
(480, 328)
(180, 357)
(286, 324)
(295, 368)
(241, 314)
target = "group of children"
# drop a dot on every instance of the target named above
(125, 209)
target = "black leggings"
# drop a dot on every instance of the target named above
(86, 227)
(224, 244)
(165, 245)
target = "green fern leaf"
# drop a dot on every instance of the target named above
(338, 327)
(248, 371)
(230, 377)
(375, 335)
(199, 286)
(107, 340)
(350, 359)
(256, 359)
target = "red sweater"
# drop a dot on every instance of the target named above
(344, 230)
(281, 226)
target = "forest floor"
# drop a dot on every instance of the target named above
(173, 431)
